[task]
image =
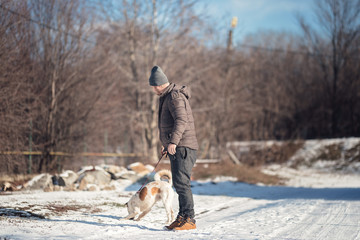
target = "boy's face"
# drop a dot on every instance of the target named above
(157, 90)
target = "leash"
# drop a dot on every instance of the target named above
(147, 180)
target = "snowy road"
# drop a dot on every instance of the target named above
(285, 213)
(286, 219)
(225, 210)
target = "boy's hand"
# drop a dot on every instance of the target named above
(163, 150)
(172, 148)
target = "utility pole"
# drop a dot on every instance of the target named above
(234, 21)
(227, 76)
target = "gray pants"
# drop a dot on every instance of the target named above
(181, 166)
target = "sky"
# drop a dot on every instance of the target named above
(257, 15)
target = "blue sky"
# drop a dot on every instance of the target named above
(256, 15)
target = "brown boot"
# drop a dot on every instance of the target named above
(176, 223)
(186, 224)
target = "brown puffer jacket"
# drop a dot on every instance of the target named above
(176, 122)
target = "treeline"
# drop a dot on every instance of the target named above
(74, 77)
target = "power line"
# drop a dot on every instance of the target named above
(44, 25)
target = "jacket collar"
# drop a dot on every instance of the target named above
(168, 89)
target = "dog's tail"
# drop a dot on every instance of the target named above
(163, 174)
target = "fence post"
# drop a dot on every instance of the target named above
(105, 143)
(58, 162)
(30, 149)
(85, 162)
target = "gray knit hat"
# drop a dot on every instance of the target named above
(157, 77)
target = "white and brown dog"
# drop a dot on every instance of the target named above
(142, 202)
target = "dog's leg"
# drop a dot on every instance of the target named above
(171, 197)
(143, 214)
(131, 215)
(168, 207)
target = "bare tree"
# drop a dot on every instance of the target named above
(65, 85)
(335, 46)
(15, 76)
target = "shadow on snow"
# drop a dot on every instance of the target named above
(101, 224)
(238, 189)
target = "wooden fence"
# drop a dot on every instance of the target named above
(83, 154)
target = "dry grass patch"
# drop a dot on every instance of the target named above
(60, 209)
(260, 155)
(243, 173)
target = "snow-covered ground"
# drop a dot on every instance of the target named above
(320, 206)
(308, 177)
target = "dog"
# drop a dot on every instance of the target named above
(142, 202)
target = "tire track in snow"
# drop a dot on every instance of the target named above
(222, 214)
(327, 220)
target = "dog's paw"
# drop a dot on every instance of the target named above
(122, 219)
